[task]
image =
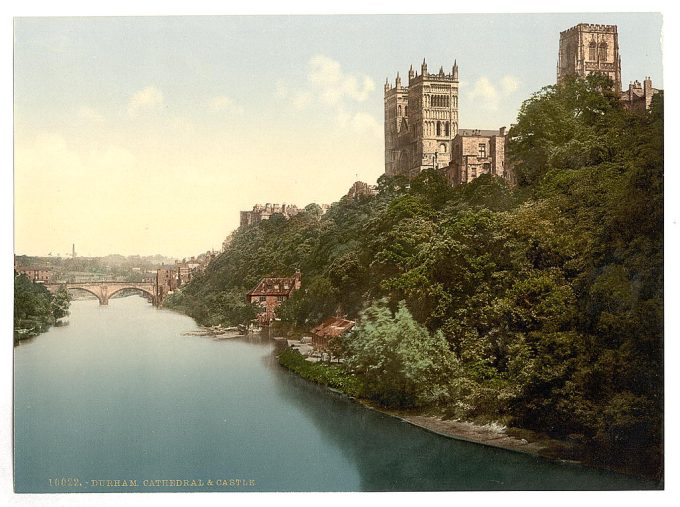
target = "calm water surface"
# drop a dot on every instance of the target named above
(121, 394)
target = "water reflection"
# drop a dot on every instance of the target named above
(123, 392)
(392, 455)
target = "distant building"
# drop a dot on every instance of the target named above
(638, 97)
(328, 329)
(36, 275)
(270, 293)
(594, 49)
(477, 152)
(361, 189)
(260, 212)
(183, 273)
(166, 281)
(586, 49)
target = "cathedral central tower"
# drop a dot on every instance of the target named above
(420, 121)
(587, 49)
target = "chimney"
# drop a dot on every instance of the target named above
(501, 131)
(298, 279)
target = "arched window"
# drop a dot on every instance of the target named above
(592, 49)
(446, 129)
(405, 110)
(442, 148)
(399, 110)
(603, 51)
(439, 129)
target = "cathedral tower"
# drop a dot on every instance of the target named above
(585, 49)
(420, 121)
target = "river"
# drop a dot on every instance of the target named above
(120, 394)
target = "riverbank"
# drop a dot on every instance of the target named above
(492, 434)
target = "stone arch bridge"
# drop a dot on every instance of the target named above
(104, 290)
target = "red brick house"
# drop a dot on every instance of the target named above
(36, 275)
(330, 328)
(270, 293)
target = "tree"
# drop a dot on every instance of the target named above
(60, 303)
(402, 364)
(32, 307)
(566, 126)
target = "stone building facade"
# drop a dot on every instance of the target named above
(260, 212)
(270, 293)
(166, 281)
(586, 48)
(421, 120)
(361, 189)
(638, 97)
(477, 152)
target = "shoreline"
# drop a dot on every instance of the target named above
(511, 439)
(491, 435)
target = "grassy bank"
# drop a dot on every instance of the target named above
(331, 375)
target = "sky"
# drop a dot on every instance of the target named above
(146, 135)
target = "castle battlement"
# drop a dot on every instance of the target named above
(447, 78)
(591, 27)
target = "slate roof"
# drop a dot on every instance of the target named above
(333, 326)
(273, 287)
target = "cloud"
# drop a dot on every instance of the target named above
(334, 85)
(487, 96)
(337, 91)
(90, 115)
(301, 100)
(148, 99)
(223, 104)
(484, 92)
(360, 123)
(509, 84)
(364, 123)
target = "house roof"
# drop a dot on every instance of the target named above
(333, 326)
(273, 287)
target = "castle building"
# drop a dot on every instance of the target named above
(638, 97)
(421, 120)
(260, 212)
(477, 152)
(361, 189)
(586, 49)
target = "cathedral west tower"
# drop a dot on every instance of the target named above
(420, 121)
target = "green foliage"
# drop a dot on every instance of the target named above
(401, 363)
(566, 126)
(540, 305)
(60, 303)
(35, 309)
(331, 375)
(228, 307)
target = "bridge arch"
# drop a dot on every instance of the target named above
(132, 287)
(84, 289)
